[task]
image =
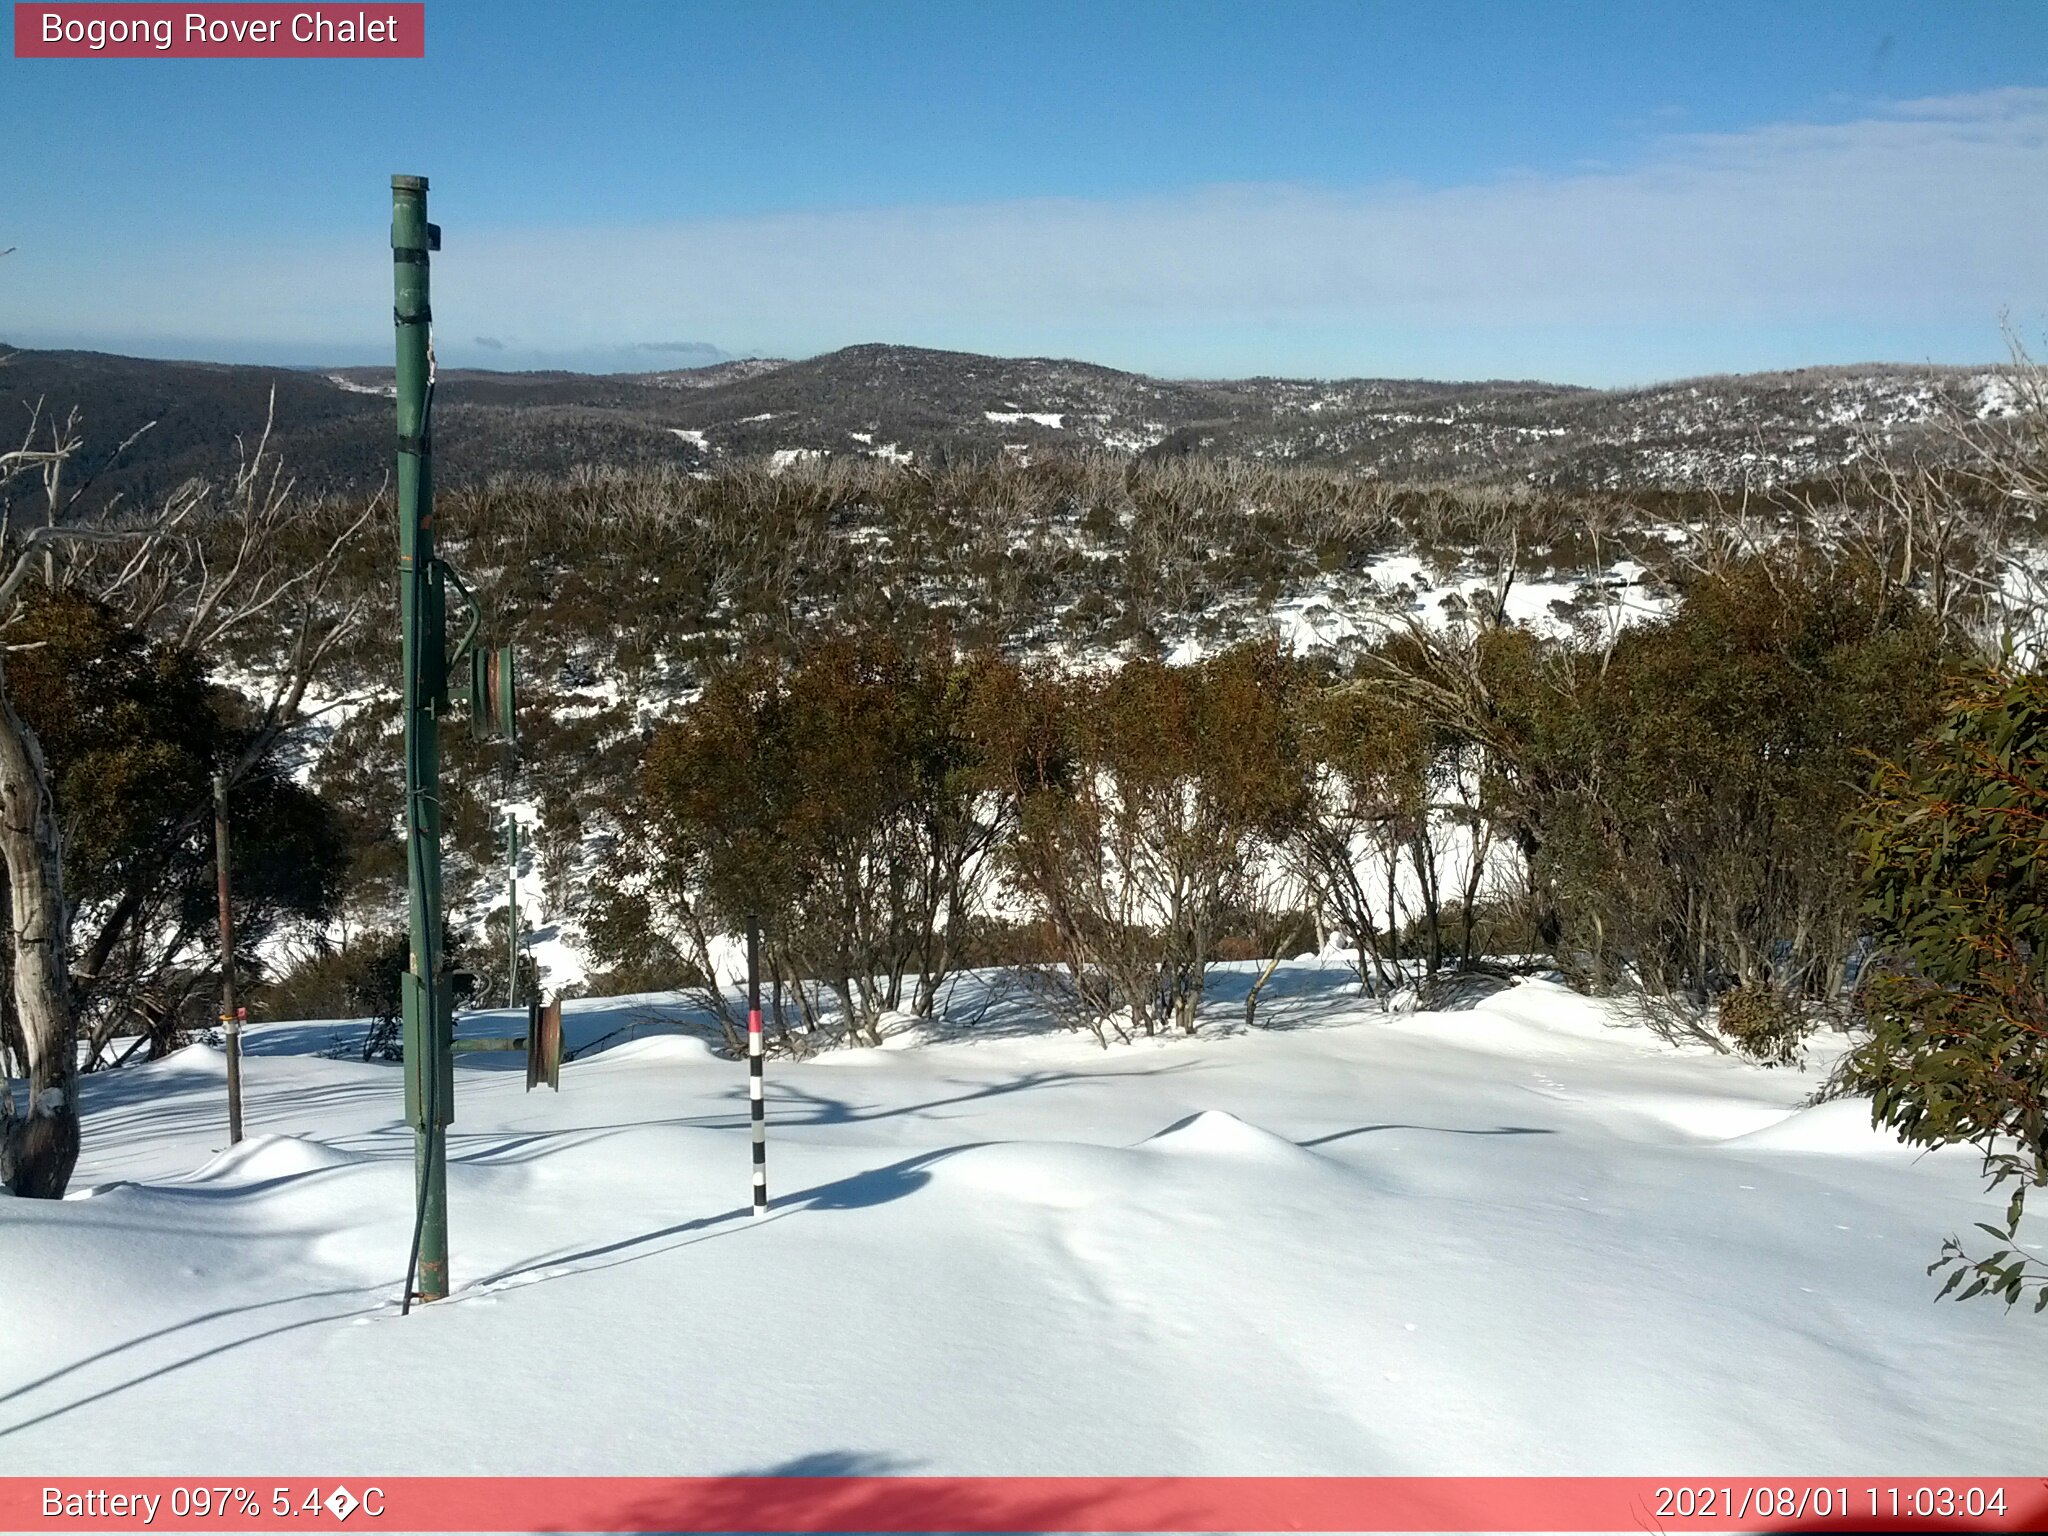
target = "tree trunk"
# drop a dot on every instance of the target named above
(39, 1140)
(1251, 998)
(1548, 923)
(1481, 847)
(1423, 852)
(842, 988)
(1393, 908)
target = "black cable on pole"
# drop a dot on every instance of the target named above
(415, 851)
(419, 1204)
(431, 1093)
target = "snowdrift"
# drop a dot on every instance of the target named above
(1520, 1237)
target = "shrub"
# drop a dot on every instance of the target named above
(1148, 799)
(1763, 1024)
(358, 980)
(1955, 884)
(1683, 797)
(838, 797)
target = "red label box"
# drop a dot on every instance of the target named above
(1629, 1505)
(367, 29)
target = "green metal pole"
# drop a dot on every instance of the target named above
(429, 1023)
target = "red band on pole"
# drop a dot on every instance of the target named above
(1052, 1504)
(754, 1020)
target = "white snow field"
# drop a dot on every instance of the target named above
(1523, 1238)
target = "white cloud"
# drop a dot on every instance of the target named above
(1922, 214)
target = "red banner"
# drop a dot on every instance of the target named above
(242, 31)
(1026, 1504)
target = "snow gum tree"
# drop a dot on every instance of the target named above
(1729, 742)
(132, 731)
(1170, 783)
(1367, 756)
(838, 797)
(1676, 793)
(1953, 851)
(39, 1138)
(200, 572)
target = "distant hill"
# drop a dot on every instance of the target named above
(333, 427)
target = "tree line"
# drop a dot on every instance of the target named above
(1798, 793)
(1660, 810)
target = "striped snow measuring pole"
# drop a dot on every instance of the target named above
(756, 1103)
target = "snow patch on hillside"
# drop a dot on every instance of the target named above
(386, 391)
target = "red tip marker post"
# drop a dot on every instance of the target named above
(757, 1104)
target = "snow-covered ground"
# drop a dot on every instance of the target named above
(1519, 1238)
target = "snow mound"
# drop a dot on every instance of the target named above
(902, 1030)
(1554, 1007)
(1484, 1235)
(274, 1157)
(1162, 1167)
(1710, 1117)
(662, 1050)
(1216, 1133)
(1535, 1017)
(905, 1039)
(197, 1057)
(1840, 1128)
(88, 1192)
(1063, 1174)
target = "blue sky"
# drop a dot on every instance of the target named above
(1597, 193)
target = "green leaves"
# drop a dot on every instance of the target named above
(1953, 859)
(846, 796)
(133, 731)
(1681, 799)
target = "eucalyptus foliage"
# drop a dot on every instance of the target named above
(1954, 854)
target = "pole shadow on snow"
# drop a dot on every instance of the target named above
(824, 1109)
(792, 1107)
(859, 1191)
(1446, 1130)
(789, 1108)
(155, 1107)
(862, 1189)
(115, 1111)
(382, 1292)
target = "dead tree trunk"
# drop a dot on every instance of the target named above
(38, 1140)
